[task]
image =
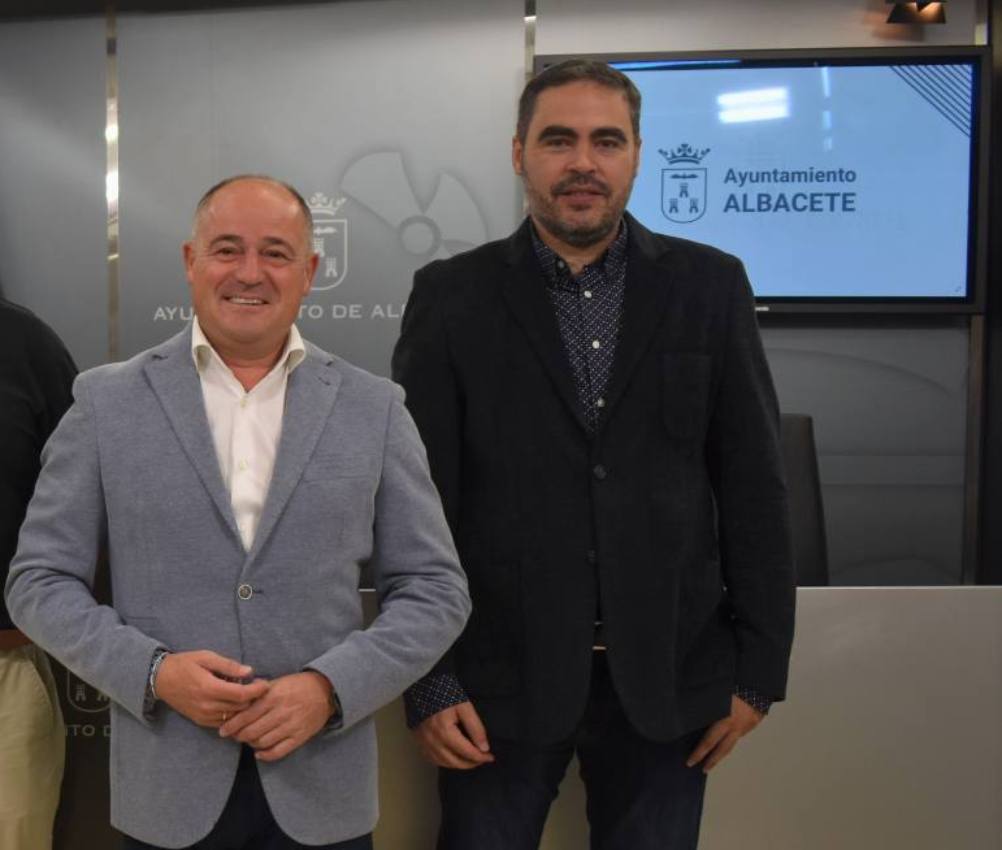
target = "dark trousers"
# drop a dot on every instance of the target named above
(641, 796)
(247, 823)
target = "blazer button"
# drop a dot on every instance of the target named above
(599, 472)
(245, 592)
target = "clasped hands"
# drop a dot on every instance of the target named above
(273, 716)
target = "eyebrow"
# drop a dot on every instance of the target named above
(558, 131)
(275, 240)
(267, 241)
(226, 237)
(609, 133)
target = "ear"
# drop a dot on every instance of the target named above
(517, 149)
(311, 270)
(636, 157)
(188, 253)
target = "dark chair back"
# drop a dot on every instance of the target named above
(807, 515)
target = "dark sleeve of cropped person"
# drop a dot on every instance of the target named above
(36, 377)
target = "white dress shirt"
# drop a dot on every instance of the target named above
(246, 426)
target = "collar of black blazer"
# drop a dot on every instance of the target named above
(648, 286)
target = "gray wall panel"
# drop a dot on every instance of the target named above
(53, 214)
(399, 114)
(595, 26)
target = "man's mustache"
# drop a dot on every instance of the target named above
(570, 184)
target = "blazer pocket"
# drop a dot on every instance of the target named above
(685, 393)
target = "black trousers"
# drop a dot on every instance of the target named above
(640, 794)
(247, 823)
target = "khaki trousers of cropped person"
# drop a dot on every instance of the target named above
(32, 749)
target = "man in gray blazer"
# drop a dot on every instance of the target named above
(240, 478)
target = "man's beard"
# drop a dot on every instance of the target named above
(544, 210)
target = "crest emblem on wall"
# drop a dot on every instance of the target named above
(683, 184)
(83, 697)
(330, 241)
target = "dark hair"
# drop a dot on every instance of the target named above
(263, 178)
(573, 71)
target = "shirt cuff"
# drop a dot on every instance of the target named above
(431, 695)
(760, 703)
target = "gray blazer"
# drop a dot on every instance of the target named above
(132, 466)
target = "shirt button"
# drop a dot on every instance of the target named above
(242, 466)
(243, 401)
(591, 557)
(561, 264)
(587, 293)
(245, 592)
(599, 472)
(596, 344)
(600, 402)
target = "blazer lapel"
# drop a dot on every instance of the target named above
(174, 379)
(648, 286)
(524, 291)
(309, 397)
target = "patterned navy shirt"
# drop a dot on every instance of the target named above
(589, 311)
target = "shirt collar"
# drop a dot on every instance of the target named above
(557, 271)
(202, 351)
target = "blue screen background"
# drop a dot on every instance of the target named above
(903, 131)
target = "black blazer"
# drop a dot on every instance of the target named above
(672, 516)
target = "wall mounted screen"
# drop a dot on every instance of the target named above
(843, 180)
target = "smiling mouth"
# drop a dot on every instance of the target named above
(245, 301)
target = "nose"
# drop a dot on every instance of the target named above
(249, 270)
(581, 159)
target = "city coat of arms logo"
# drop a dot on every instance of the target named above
(330, 241)
(683, 184)
(83, 697)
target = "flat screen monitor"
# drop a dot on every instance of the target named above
(845, 180)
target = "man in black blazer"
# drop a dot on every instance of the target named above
(602, 427)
